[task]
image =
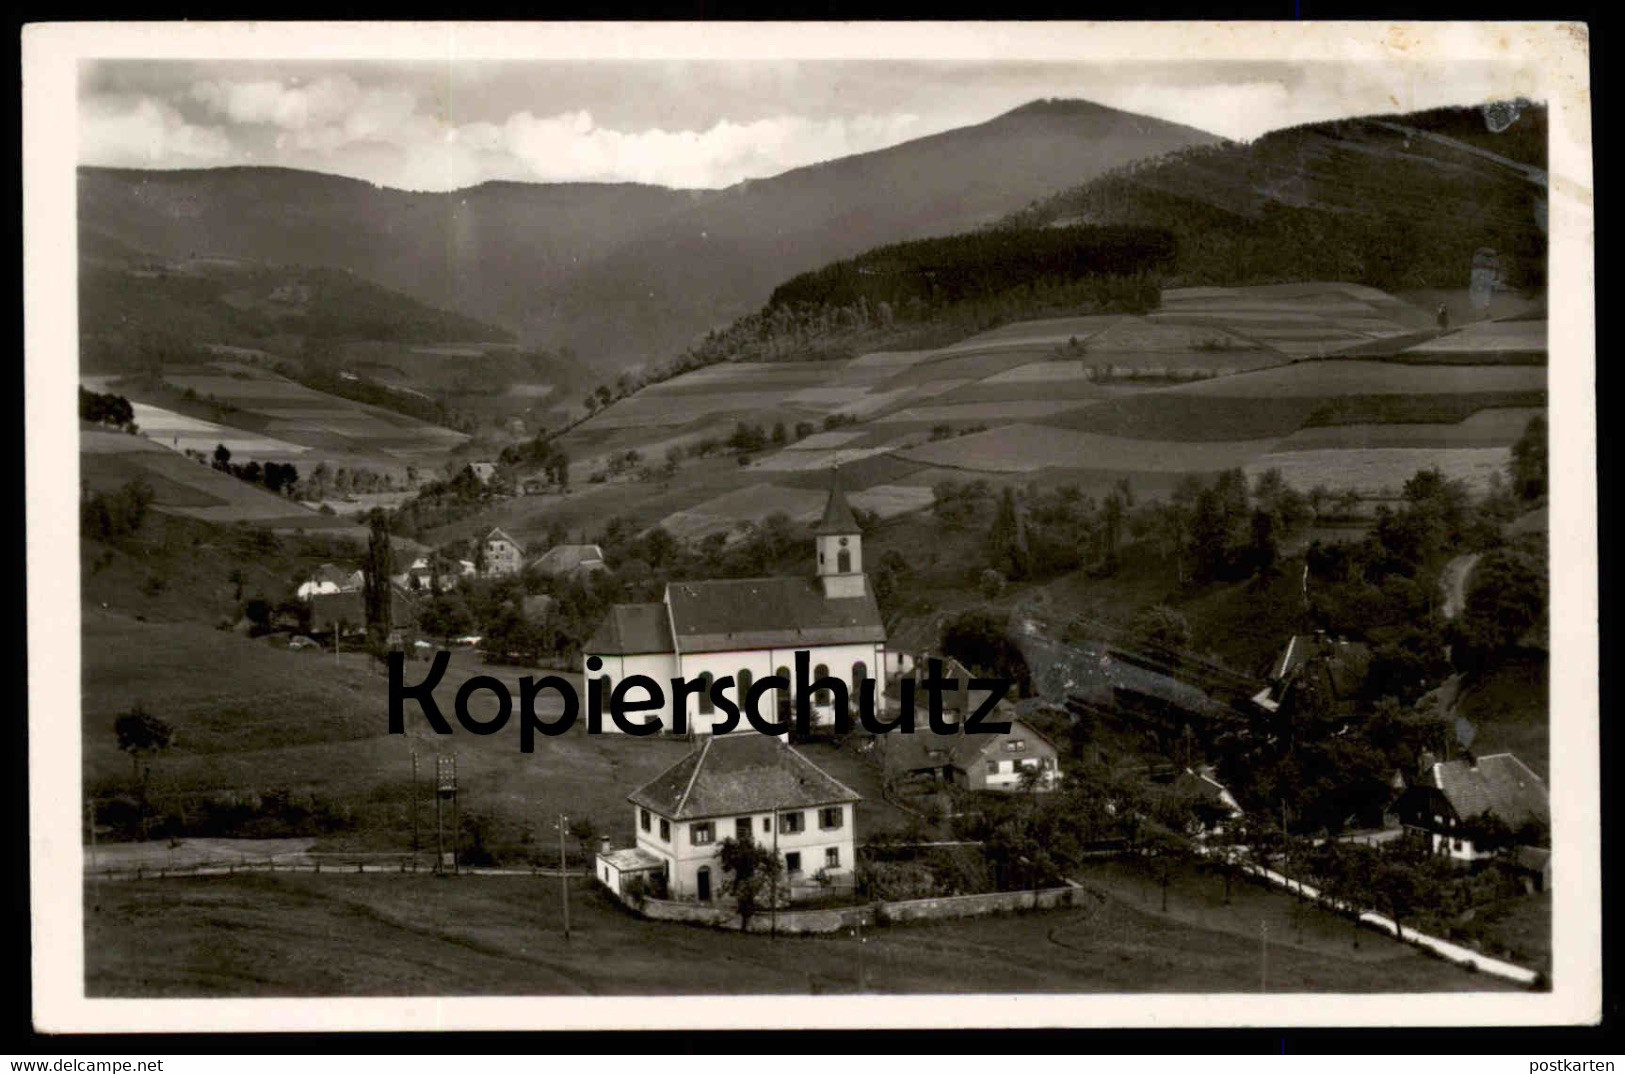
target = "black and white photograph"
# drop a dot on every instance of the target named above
(1098, 516)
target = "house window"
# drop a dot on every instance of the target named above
(823, 696)
(742, 829)
(1016, 745)
(665, 829)
(603, 697)
(792, 862)
(790, 823)
(643, 818)
(993, 768)
(830, 817)
(832, 858)
(860, 671)
(701, 834)
(767, 824)
(705, 696)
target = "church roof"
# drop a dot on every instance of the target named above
(838, 517)
(632, 629)
(743, 773)
(768, 613)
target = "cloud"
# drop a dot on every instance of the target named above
(385, 134)
(145, 133)
(570, 146)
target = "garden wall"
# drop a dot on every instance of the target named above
(812, 922)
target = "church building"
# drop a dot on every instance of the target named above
(750, 629)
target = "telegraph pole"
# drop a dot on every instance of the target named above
(456, 823)
(1263, 956)
(414, 808)
(564, 876)
(773, 880)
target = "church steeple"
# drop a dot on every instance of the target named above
(840, 545)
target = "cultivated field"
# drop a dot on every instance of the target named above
(1216, 378)
(183, 486)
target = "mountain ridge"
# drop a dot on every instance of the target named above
(623, 273)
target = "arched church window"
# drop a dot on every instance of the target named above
(823, 696)
(706, 705)
(744, 686)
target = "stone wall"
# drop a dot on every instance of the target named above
(812, 922)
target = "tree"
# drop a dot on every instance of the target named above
(1162, 626)
(222, 457)
(978, 640)
(1527, 467)
(142, 735)
(1007, 540)
(751, 871)
(1505, 599)
(375, 586)
(991, 583)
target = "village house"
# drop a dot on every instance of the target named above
(570, 561)
(484, 471)
(1217, 807)
(744, 787)
(503, 554)
(974, 762)
(419, 577)
(1448, 804)
(328, 579)
(752, 628)
(1333, 666)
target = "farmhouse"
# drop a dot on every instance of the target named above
(1333, 667)
(976, 762)
(485, 471)
(329, 579)
(1452, 804)
(1216, 806)
(570, 561)
(503, 554)
(749, 629)
(743, 787)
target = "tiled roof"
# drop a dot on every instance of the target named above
(498, 534)
(563, 558)
(631, 629)
(925, 749)
(1499, 784)
(736, 774)
(766, 613)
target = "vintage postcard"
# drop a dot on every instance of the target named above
(676, 526)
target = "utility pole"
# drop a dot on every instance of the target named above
(414, 807)
(456, 823)
(863, 985)
(564, 877)
(773, 890)
(1263, 956)
(90, 804)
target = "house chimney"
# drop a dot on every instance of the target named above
(1426, 761)
(603, 844)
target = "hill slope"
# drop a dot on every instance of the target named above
(619, 272)
(1394, 202)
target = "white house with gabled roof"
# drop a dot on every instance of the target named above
(743, 787)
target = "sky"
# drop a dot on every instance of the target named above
(428, 125)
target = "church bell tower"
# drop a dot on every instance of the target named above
(840, 545)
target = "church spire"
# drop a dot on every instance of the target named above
(838, 518)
